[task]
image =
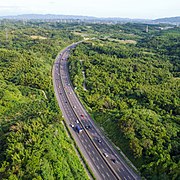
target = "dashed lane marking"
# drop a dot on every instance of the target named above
(102, 166)
(103, 175)
(107, 174)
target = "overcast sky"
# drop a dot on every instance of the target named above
(146, 9)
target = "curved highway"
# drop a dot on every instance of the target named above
(101, 157)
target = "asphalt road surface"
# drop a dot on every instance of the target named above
(101, 157)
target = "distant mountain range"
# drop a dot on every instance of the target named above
(168, 20)
(45, 16)
(171, 20)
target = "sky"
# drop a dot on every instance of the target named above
(143, 9)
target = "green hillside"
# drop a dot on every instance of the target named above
(33, 141)
(132, 92)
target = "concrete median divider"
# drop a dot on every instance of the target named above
(94, 144)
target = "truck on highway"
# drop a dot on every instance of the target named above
(78, 129)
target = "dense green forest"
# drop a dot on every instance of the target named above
(129, 80)
(33, 141)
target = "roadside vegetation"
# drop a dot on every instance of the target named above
(127, 79)
(33, 141)
(132, 92)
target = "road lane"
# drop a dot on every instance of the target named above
(70, 118)
(104, 168)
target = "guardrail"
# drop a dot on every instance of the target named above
(99, 151)
(89, 170)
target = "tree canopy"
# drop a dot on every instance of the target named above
(132, 92)
(33, 141)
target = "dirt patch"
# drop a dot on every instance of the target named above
(123, 41)
(38, 37)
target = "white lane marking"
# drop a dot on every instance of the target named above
(107, 174)
(93, 152)
(129, 177)
(97, 166)
(103, 175)
(122, 168)
(97, 158)
(102, 166)
(86, 140)
(125, 178)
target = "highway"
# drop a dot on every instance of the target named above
(101, 157)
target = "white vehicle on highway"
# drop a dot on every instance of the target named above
(72, 125)
(105, 154)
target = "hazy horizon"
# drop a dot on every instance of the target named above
(85, 16)
(138, 9)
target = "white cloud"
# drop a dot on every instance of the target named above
(102, 8)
